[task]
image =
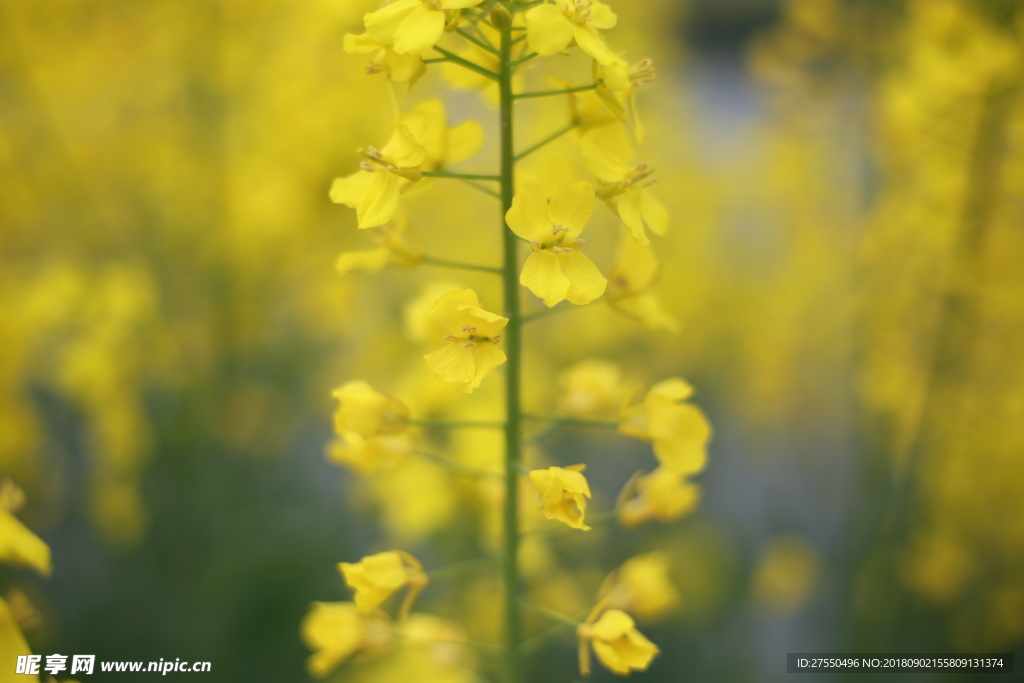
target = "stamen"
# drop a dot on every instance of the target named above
(367, 166)
(496, 338)
(451, 337)
(468, 345)
(579, 242)
(468, 328)
(561, 250)
(557, 229)
(536, 245)
(372, 151)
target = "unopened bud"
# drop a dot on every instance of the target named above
(501, 17)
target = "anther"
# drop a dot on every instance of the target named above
(372, 151)
(367, 166)
(468, 345)
(451, 337)
(557, 229)
(468, 328)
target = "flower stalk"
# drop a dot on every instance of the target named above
(513, 415)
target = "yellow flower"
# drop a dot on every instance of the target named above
(412, 26)
(616, 642)
(463, 78)
(337, 630)
(557, 269)
(591, 388)
(368, 455)
(663, 495)
(623, 187)
(397, 244)
(563, 494)
(551, 28)
(395, 67)
(377, 577)
(471, 333)
(787, 573)
(18, 545)
(678, 430)
(616, 86)
(367, 412)
(421, 141)
(630, 284)
(642, 587)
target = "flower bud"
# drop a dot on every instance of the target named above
(501, 17)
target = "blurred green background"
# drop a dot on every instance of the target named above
(846, 181)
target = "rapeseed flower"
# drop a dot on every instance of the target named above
(591, 388)
(337, 630)
(557, 270)
(551, 28)
(376, 578)
(422, 141)
(397, 245)
(678, 430)
(367, 412)
(630, 283)
(624, 188)
(413, 26)
(616, 87)
(619, 646)
(18, 545)
(401, 68)
(641, 586)
(563, 494)
(472, 335)
(368, 455)
(663, 495)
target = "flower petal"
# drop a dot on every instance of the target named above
(586, 282)
(450, 310)
(630, 211)
(528, 217)
(452, 363)
(572, 206)
(371, 261)
(547, 30)
(384, 24)
(464, 141)
(654, 214)
(602, 16)
(543, 276)
(487, 357)
(591, 42)
(420, 30)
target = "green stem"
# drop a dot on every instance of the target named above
(459, 176)
(476, 41)
(524, 60)
(460, 567)
(572, 421)
(444, 263)
(457, 424)
(531, 150)
(513, 445)
(455, 59)
(551, 93)
(482, 188)
(550, 613)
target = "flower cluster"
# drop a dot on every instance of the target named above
(493, 42)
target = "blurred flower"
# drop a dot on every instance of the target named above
(591, 388)
(421, 141)
(471, 333)
(787, 572)
(368, 455)
(376, 578)
(616, 86)
(663, 495)
(412, 26)
(367, 412)
(557, 269)
(630, 284)
(563, 494)
(336, 631)
(678, 431)
(18, 545)
(616, 642)
(641, 586)
(401, 68)
(553, 28)
(624, 188)
(397, 244)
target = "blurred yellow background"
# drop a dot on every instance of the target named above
(842, 282)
